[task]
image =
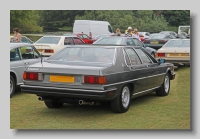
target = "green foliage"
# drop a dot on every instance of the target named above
(25, 20)
(177, 17)
(35, 21)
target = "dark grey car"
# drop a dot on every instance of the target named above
(117, 40)
(91, 74)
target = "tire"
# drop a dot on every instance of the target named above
(122, 102)
(165, 87)
(12, 86)
(51, 104)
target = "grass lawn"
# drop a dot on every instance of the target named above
(146, 112)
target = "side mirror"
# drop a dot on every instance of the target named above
(161, 61)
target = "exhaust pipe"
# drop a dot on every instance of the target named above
(81, 102)
(43, 99)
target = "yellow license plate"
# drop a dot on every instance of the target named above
(154, 42)
(178, 55)
(40, 50)
(66, 79)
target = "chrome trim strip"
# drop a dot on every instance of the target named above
(134, 79)
(81, 90)
(146, 90)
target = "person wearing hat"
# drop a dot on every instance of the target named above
(129, 32)
(135, 34)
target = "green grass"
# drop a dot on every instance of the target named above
(146, 112)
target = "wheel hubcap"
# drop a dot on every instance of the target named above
(125, 96)
(11, 86)
(166, 84)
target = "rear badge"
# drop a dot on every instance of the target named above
(33, 69)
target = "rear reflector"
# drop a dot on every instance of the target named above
(160, 54)
(32, 76)
(49, 51)
(95, 79)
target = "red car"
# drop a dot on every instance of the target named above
(84, 37)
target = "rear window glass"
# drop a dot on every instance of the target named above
(85, 54)
(110, 40)
(49, 40)
(158, 36)
(177, 43)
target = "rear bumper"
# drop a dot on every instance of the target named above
(69, 92)
(178, 62)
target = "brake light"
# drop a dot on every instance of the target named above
(32, 76)
(163, 41)
(146, 40)
(160, 54)
(95, 79)
(49, 51)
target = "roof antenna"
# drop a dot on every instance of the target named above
(41, 56)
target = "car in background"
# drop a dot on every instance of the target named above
(84, 37)
(24, 39)
(176, 51)
(118, 40)
(169, 33)
(157, 40)
(185, 34)
(48, 45)
(181, 36)
(144, 35)
(103, 35)
(21, 56)
(91, 74)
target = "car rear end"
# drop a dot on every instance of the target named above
(178, 54)
(74, 79)
(156, 41)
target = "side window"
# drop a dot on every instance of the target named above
(134, 59)
(14, 55)
(80, 36)
(130, 42)
(85, 36)
(110, 29)
(35, 53)
(137, 42)
(78, 41)
(68, 41)
(143, 56)
(27, 52)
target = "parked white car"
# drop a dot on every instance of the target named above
(48, 45)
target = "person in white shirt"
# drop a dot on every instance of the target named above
(135, 34)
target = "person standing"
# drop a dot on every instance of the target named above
(17, 35)
(135, 34)
(118, 33)
(129, 32)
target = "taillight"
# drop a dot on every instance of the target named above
(160, 54)
(32, 76)
(49, 51)
(146, 41)
(95, 79)
(163, 41)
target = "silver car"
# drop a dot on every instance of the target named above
(21, 56)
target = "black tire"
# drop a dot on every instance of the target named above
(165, 87)
(51, 104)
(12, 86)
(117, 105)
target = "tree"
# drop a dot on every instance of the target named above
(177, 17)
(25, 20)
